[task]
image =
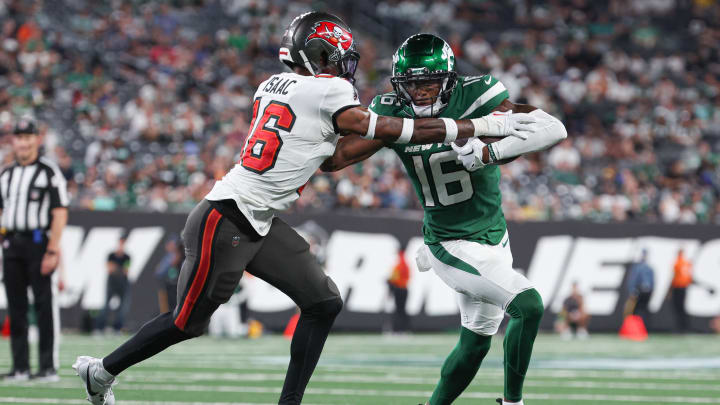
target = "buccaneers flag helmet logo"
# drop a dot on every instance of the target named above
(333, 34)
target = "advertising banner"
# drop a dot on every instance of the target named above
(360, 251)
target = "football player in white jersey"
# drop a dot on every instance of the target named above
(297, 119)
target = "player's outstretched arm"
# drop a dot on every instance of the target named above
(548, 132)
(349, 150)
(360, 120)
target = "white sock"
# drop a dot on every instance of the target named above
(513, 403)
(103, 375)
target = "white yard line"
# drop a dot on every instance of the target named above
(712, 364)
(657, 399)
(424, 361)
(16, 400)
(565, 369)
(162, 377)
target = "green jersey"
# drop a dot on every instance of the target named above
(458, 204)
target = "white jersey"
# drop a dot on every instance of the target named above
(292, 132)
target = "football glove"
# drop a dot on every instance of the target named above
(470, 154)
(503, 124)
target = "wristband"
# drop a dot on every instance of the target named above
(407, 131)
(370, 134)
(492, 156)
(451, 130)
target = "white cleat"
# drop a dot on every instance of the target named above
(98, 393)
(16, 376)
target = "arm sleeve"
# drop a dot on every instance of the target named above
(339, 96)
(482, 95)
(550, 131)
(58, 189)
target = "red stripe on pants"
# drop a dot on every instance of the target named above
(202, 271)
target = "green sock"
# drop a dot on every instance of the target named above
(526, 311)
(460, 366)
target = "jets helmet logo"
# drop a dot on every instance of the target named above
(333, 34)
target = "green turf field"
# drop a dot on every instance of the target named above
(373, 369)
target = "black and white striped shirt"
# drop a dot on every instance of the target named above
(29, 193)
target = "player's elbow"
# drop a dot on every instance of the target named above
(329, 166)
(333, 163)
(556, 132)
(562, 132)
(553, 130)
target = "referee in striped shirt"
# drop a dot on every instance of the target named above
(33, 200)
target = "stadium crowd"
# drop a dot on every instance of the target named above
(145, 104)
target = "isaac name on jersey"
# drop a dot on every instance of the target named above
(293, 130)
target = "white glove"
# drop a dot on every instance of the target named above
(470, 154)
(502, 124)
(422, 259)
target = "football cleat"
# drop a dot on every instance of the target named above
(98, 392)
(46, 375)
(16, 376)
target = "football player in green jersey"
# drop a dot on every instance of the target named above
(466, 240)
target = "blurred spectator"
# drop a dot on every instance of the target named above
(150, 101)
(682, 278)
(398, 288)
(118, 264)
(572, 319)
(715, 324)
(640, 285)
(167, 272)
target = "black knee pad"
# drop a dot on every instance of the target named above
(324, 309)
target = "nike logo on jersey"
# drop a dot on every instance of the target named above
(506, 242)
(474, 79)
(277, 85)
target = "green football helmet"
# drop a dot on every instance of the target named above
(422, 58)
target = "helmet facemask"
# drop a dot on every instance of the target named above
(403, 84)
(347, 65)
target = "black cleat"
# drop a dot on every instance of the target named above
(499, 401)
(46, 375)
